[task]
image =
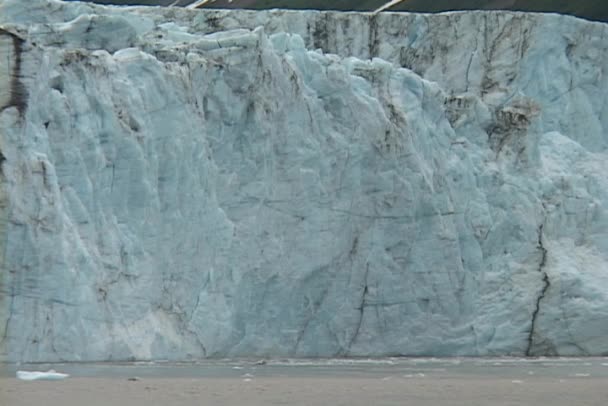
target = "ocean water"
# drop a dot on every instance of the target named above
(431, 368)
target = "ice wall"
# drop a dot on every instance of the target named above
(179, 184)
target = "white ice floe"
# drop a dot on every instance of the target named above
(50, 375)
(418, 375)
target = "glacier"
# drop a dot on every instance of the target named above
(179, 184)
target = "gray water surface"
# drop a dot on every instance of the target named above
(432, 368)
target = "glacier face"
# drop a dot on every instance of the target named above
(179, 184)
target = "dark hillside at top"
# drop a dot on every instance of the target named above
(590, 9)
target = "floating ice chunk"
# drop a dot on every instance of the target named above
(50, 375)
(417, 375)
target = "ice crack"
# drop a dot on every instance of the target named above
(361, 309)
(546, 285)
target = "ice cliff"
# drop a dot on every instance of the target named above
(179, 184)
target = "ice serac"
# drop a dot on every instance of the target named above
(179, 184)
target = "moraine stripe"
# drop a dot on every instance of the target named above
(12, 91)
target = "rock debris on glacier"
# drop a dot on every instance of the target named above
(180, 184)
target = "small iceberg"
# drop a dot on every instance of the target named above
(50, 375)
